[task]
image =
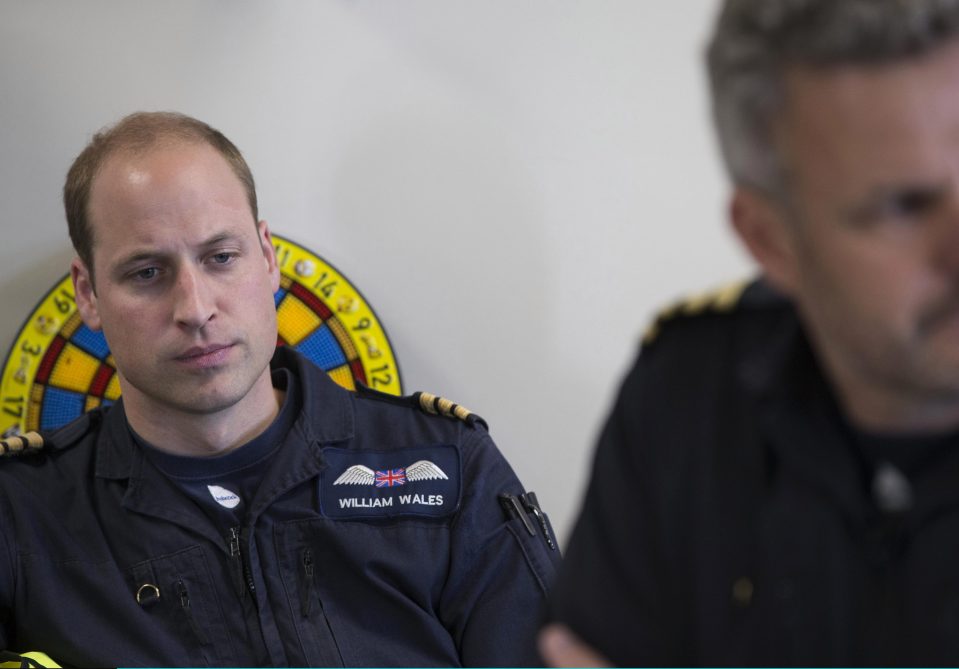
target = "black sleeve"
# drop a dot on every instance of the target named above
(613, 589)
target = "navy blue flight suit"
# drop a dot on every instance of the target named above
(322, 571)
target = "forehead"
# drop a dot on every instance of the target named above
(166, 164)
(170, 199)
(872, 121)
(172, 183)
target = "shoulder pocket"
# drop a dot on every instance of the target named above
(540, 548)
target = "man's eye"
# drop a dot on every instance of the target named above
(222, 258)
(913, 202)
(907, 205)
(146, 274)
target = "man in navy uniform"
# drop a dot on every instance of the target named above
(778, 482)
(236, 507)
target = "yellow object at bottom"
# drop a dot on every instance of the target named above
(30, 659)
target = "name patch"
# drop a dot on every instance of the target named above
(420, 481)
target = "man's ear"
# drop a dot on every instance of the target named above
(766, 231)
(269, 253)
(85, 293)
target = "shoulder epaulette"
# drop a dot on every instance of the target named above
(440, 406)
(18, 444)
(63, 437)
(723, 299)
(425, 402)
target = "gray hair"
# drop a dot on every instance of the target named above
(757, 41)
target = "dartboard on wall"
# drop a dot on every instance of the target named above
(58, 368)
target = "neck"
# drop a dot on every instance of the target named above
(879, 404)
(212, 433)
(892, 412)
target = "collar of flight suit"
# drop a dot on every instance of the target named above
(326, 416)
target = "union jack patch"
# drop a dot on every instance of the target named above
(390, 478)
(421, 470)
(418, 481)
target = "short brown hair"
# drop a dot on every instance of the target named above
(138, 133)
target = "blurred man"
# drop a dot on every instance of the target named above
(778, 482)
(236, 507)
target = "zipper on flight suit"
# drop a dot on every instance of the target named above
(243, 580)
(306, 594)
(241, 570)
(185, 605)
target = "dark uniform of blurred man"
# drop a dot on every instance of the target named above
(236, 506)
(778, 482)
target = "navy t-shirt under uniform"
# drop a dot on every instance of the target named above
(224, 485)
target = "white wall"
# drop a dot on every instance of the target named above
(515, 185)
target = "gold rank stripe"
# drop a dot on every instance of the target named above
(28, 442)
(427, 402)
(433, 404)
(720, 300)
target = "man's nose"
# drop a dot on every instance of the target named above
(193, 302)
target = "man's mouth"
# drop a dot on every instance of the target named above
(205, 356)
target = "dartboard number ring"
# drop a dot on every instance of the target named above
(58, 368)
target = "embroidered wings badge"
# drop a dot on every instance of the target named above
(421, 470)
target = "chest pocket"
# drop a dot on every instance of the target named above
(366, 593)
(176, 592)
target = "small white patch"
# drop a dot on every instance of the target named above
(223, 496)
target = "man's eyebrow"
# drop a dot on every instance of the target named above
(219, 238)
(887, 190)
(148, 254)
(909, 192)
(136, 257)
